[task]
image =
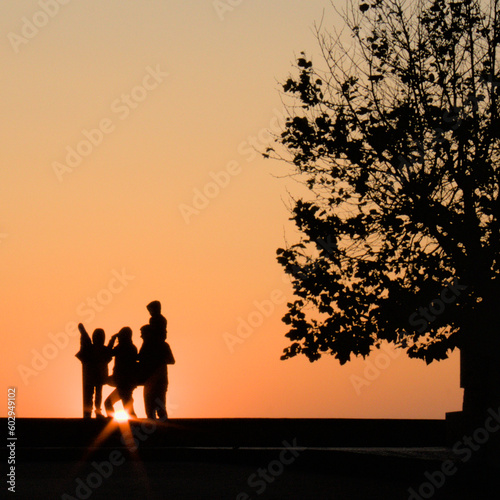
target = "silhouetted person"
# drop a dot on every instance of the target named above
(95, 357)
(154, 356)
(124, 372)
(157, 321)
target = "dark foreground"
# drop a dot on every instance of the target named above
(242, 459)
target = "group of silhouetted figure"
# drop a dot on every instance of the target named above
(147, 367)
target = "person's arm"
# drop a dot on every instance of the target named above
(169, 356)
(84, 336)
(112, 341)
(85, 344)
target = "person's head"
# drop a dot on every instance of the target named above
(146, 332)
(125, 335)
(98, 336)
(154, 307)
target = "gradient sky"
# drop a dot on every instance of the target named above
(180, 91)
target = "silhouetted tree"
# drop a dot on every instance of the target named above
(398, 140)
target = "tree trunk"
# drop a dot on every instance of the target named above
(480, 379)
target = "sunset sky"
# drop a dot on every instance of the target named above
(129, 174)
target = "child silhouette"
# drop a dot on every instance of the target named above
(124, 372)
(157, 321)
(95, 357)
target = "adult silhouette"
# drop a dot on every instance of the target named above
(154, 356)
(124, 376)
(94, 356)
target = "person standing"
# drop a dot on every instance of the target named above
(124, 372)
(154, 356)
(94, 356)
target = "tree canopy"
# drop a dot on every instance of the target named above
(397, 136)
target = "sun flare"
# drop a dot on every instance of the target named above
(121, 416)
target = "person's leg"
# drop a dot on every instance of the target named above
(160, 397)
(110, 401)
(88, 390)
(127, 400)
(130, 404)
(161, 404)
(98, 400)
(149, 400)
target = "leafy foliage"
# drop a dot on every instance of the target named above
(398, 141)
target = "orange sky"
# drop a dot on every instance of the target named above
(128, 175)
